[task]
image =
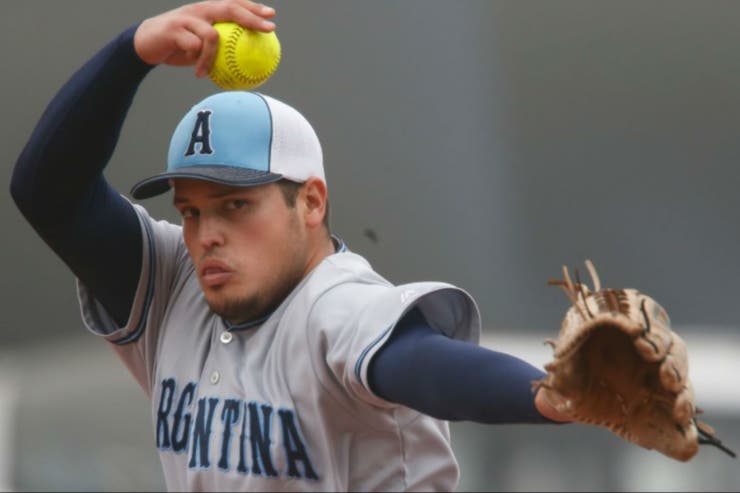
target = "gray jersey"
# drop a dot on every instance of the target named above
(282, 404)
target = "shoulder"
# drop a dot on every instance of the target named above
(351, 292)
(346, 279)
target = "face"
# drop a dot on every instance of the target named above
(248, 247)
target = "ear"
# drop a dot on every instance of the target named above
(313, 201)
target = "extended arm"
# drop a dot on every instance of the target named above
(454, 380)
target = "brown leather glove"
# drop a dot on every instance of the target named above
(618, 364)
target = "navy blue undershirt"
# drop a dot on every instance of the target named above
(58, 185)
(58, 181)
(452, 380)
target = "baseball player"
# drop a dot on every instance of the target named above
(275, 358)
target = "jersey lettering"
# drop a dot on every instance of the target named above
(202, 433)
(295, 450)
(165, 404)
(229, 416)
(259, 434)
(182, 419)
(184, 426)
(201, 134)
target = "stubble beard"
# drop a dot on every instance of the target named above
(239, 310)
(269, 295)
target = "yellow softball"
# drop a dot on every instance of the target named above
(245, 58)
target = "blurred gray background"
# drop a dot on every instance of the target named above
(483, 143)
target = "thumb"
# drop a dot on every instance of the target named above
(552, 405)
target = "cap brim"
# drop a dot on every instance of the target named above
(226, 175)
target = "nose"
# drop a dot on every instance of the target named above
(210, 232)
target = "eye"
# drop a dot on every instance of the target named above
(234, 204)
(188, 212)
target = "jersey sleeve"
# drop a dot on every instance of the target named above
(164, 258)
(358, 319)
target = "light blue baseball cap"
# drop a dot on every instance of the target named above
(239, 138)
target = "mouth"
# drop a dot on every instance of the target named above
(214, 273)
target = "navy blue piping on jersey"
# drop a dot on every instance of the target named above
(363, 354)
(134, 336)
(339, 245)
(246, 325)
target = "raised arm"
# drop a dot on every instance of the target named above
(58, 181)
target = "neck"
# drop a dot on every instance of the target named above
(324, 248)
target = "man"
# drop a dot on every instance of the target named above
(275, 358)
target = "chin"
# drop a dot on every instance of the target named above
(236, 309)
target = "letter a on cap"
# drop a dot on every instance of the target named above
(201, 134)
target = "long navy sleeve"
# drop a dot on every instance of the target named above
(58, 181)
(453, 380)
